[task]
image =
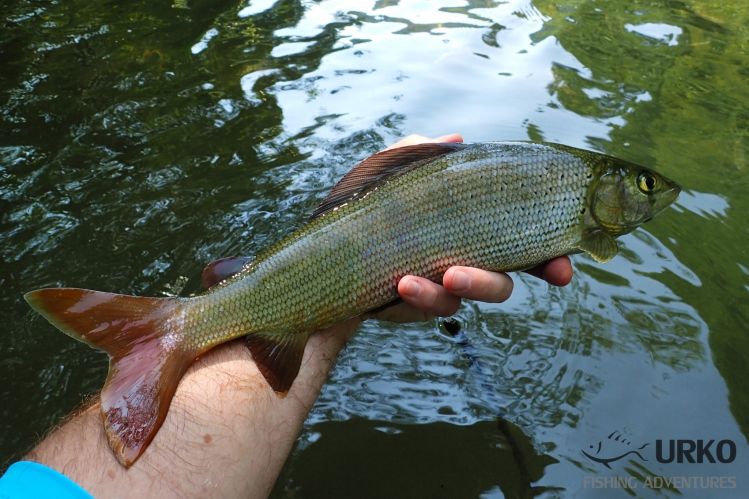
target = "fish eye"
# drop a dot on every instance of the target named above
(646, 182)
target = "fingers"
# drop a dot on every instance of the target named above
(557, 271)
(424, 299)
(427, 296)
(451, 137)
(420, 139)
(476, 284)
(458, 282)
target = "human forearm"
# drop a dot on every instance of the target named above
(227, 433)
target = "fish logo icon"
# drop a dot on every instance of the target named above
(615, 447)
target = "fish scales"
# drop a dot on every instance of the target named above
(420, 209)
(443, 214)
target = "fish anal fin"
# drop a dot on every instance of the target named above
(222, 269)
(381, 166)
(599, 244)
(278, 357)
(146, 357)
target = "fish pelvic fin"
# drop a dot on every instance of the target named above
(143, 338)
(278, 357)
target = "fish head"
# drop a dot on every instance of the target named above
(626, 195)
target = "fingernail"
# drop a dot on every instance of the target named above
(460, 281)
(412, 288)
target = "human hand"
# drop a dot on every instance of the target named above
(424, 299)
(239, 450)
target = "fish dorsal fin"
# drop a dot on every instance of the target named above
(379, 167)
(598, 244)
(222, 269)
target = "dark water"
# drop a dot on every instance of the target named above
(139, 141)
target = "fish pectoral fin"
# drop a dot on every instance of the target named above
(380, 167)
(220, 270)
(598, 244)
(278, 357)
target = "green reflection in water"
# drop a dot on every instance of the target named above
(694, 125)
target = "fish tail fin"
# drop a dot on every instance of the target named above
(147, 358)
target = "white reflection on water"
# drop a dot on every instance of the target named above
(657, 31)
(248, 84)
(703, 204)
(203, 43)
(435, 51)
(255, 7)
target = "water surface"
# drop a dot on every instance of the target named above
(140, 141)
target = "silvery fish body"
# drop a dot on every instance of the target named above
(493, 206)
(415, 210)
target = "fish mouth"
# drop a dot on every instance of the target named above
(671, 194)
(666, 198)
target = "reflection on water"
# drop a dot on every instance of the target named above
(140, 142)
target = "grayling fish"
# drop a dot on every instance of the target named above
(414, 210)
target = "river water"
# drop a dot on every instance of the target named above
(140, 141)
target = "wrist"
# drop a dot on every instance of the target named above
(229, 416)
(226, 434)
